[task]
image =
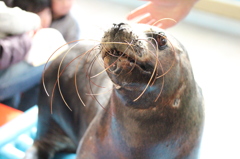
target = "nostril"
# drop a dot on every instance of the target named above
(118, 27)
(120, 24)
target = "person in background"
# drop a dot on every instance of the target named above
(43, 9)
(16, 76)
(15, 21)
(63, 20)
(155, 10)
(40, 7)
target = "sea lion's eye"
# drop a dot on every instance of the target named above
(161, 39)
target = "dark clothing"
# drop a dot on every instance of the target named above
(68, 27)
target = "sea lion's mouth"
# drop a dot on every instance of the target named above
(119, 62)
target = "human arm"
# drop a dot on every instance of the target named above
(14, 49)
(155, 12)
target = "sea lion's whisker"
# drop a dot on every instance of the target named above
(75, 75)
(112, 54)
(45, 66)
(150, 80)
(161, 89)
(166, 71)
(90, 68)
(147, 84)
(90, 81)
(159, 94)
(91, 90)
(155, 68)
(100, 60)
(123, 55)
(172, 62)
(156, 64)
(160, 64)
(134, 53)
(155, 48)
(55, 84)
(58, 77)
(105, 69)
(109, 53)
(60, 74)
(59, 87)
(163, 20)
(159, 60)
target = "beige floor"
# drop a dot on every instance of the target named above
(215, 58)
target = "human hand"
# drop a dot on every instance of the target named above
(162, 13)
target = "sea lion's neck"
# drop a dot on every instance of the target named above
(135, 127)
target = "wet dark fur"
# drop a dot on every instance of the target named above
(165, 122)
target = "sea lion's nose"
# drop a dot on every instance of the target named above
(119, 27)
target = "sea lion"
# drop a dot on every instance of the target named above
(135, 97)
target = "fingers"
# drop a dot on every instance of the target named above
(138, 12)
(142, 15)
(165, 23)
(146, 18)
(153, 15)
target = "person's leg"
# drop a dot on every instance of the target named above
(19, 78)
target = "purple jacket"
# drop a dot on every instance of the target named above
(13, 49)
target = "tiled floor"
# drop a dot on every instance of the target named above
(215, 58)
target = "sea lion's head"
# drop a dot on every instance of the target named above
(146, 65)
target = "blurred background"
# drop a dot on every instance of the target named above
(211, 34)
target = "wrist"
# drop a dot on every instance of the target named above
(173, 3)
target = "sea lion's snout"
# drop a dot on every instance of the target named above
(125, 39)
(131, 54)
(119, 28)
(125, 52)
